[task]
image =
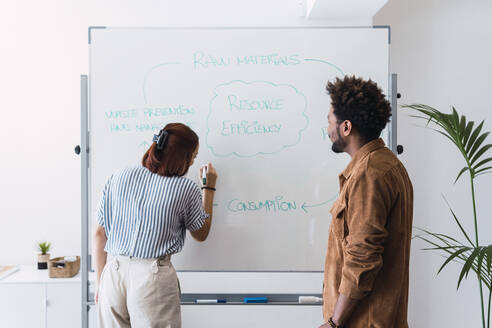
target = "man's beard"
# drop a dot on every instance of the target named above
(338, 145)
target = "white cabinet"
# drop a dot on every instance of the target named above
(29, 299)
(63, 307)
(22, 305)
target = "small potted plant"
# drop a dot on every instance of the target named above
(44, 256)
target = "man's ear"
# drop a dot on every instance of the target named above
(346, 128)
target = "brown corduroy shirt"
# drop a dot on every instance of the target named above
(369, 240)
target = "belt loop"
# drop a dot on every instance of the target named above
(154, 266)
(116, 264)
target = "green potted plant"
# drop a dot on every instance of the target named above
(44, 256)
(470, 142)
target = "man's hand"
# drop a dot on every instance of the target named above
(343, 309)
(330, 325)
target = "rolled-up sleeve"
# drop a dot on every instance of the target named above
(369, 200)
(104, 211)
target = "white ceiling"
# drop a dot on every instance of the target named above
(343, 9)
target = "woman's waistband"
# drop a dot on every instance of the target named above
(161, 259)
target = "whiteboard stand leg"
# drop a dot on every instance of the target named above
(393, 130)
(84, 152)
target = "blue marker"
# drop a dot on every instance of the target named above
(209, 301)
(255, 300)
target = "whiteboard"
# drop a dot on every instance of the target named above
(256, 98)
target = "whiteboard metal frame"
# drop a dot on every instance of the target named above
(393, 127)
(84, 157)
(85, 257)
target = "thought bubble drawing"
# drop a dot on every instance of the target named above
(254, 118)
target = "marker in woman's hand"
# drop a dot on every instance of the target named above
(204, 174)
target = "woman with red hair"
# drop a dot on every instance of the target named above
(143, 216)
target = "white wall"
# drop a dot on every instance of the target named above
(441, 50)
(43, 51)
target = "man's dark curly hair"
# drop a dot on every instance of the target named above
(362, 103)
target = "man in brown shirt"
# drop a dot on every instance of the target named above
(366, 268)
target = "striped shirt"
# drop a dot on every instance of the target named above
(146, 215)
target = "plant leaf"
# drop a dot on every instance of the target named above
(462, 257)
(455, 119)
(462, 126)
(458, 221)
(441, 119)
(463, 170)
(468, 130)
(480, 153)
(441, 236)
(454, 255)
(482, 170)
(447, 136)
(489, 258)
(439, 247)
(453, 128)
(482, 163)
(481, 255)
(473, 137)
(481, 270)
(468, 265)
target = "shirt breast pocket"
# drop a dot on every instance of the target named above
(338, 222)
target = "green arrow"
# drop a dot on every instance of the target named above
(325, 62)
(304, 206)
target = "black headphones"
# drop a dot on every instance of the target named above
(160, 139)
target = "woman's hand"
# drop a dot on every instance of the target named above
(211, 175)
(207, 202)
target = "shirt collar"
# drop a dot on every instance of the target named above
(360, 154)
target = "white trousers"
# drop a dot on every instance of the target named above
(139, 293)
